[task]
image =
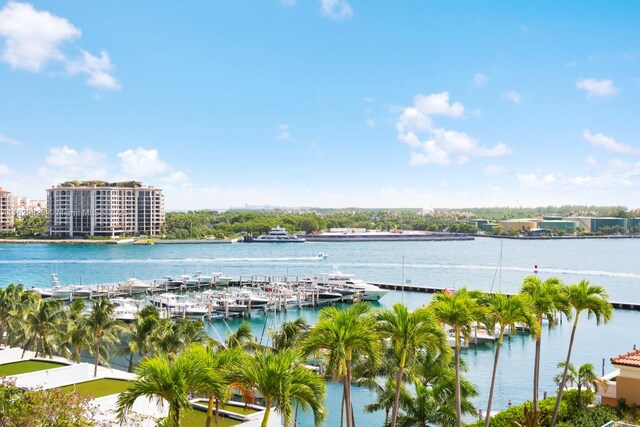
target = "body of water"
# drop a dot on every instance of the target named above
(486, 264)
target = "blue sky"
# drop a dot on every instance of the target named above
(328, 103)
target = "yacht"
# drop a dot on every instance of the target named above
(278, 235)
(56, 290)
(338, 280)
(134, 285)
(126, 309)
(251, 300)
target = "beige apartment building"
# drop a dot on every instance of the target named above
(6, 210)
(98, 208)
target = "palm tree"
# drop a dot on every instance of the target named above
(386, 397)
(241, 338)
(423, 408)
(459, 310)
(341, 334)
(583, 377)
(409, 332)
(41, 323)
(169, 337)
(102, 328)
(9, 299)
(546, 299)
(159, 379)
(138, 334)
(290, 334)
(75, 330)
(280, 378)
(505, 311)
(582, 297)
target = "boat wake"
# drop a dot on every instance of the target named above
(162, 260)
(526, 270)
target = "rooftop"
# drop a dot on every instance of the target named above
(631, 358)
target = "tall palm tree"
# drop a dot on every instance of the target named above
(102, 328)
(584, 377)
(9, 299)
(505, 312)
(289, 334)
(459, 311)
(546, 299)
(173, 382)
(341, 334)
(138, 334)
(241, 338)
(281, 378)
(385, 399)
(169, 337)
(75, 331)
(41, 324)
(423, 408)
(582, 297)
(409, 333)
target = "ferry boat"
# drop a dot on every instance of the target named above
(279, 235)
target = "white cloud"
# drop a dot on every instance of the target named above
(371, 123)
(480, 79)
(64, 163)
(608, 144)
(96, 68)
(336, 9)
(535, 180)
(491, 170)
(5, 170)
(438, 104)
(368, 99)
(143, 164)
(33, 39)
(283, 133)
(591, 162)
(4, 139)
(287, 3)
(512, 96)
(440, 144)
(601, 88)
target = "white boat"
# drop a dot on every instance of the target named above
(322, 255)
(178, 306)
(278, 235)
(220, 279)
(126, 309)
(56, 290)
(222, 302)
(248, 298)
(338, 280)
(135, 285)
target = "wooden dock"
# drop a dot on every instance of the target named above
(432, 290)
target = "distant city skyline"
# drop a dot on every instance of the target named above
(325, 103)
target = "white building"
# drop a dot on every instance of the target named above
(98, 208)
(6, 210)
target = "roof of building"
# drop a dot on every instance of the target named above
(630, 358)
(2, 190)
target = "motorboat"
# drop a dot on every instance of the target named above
(221, 301)
(251, 300)
(322, 255)
(134, 285)
(126, 309)
(56, 291)
(220, 279)
(338, 280)
(278, 235)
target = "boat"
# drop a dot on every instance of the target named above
(337, 280)
(251, 300)
(134, 285)
(126, 309)
(220, 279)
(278, 235)
(322, 255)
(56, 291)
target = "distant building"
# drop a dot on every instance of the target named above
(6, 210)
(569, 227)
(98, 208)
(518, 224)
(598, 223)
(584, 222)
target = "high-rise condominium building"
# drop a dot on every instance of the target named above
(6, 210)
(98, 208)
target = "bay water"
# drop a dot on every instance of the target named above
(484, 263)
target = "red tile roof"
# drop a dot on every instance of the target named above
(631, 358)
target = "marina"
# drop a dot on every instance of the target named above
(409, 271)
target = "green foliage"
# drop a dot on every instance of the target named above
(37, 408)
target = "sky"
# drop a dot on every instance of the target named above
(325, 103)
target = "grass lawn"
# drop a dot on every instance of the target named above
(194, 417)
(23, 367)
(98, 388)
